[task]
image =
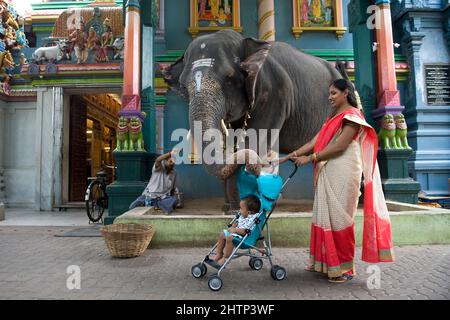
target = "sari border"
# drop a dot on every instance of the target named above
(332, 272)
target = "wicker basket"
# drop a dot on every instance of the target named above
(127, 240)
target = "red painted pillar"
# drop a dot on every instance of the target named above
(131, 100)
(387, 93)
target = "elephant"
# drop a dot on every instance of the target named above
(229, 79)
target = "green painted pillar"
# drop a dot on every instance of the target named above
(397, 185)
(147, 68)
(364, 59)
(131, 173)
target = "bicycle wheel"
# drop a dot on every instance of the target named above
(95, 201)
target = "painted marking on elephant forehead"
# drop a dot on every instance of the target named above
(198, 80)
(209, 62)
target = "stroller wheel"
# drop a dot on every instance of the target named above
(255, 263)
(215, 283)
(199, 270)
(278, 273)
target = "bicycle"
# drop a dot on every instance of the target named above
(96, 197)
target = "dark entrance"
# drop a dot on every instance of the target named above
(93, 119)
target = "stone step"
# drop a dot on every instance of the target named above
(415, 226)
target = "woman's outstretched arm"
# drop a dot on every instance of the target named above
(334, 149)
(304, 150)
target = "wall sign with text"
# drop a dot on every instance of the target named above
(437, 80)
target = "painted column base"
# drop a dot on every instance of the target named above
(133, 173)
(397, 185)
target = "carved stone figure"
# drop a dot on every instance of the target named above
(386, 136)
(136, 137)
(401, 132)
(123, 136)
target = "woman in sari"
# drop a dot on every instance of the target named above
(343, 151)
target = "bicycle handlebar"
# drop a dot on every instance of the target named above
(109, 167)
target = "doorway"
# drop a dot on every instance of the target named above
(92, 139)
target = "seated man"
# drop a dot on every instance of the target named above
(159, 192)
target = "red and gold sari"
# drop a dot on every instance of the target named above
(336, 198)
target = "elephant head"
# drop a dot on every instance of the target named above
(217, 75)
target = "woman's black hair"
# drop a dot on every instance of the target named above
(253, 203)
(342, 85)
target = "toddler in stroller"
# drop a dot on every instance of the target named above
(267, 189)
(249, 207)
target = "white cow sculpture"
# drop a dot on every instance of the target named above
(118, 47)
(55, 53)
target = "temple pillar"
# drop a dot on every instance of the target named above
(397, 185)
(266, 20)
(364, 59)
(132, 165)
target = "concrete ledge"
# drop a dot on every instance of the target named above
(424, 226)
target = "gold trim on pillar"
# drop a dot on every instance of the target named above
(205, 18)
(316, 17)
(266, 16)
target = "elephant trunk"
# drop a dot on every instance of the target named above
(207, 111)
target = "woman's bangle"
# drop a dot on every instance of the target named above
(295, 153)
(313, 157)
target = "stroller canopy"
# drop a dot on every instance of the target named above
(266, 187)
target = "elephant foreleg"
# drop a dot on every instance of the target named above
(232, 193)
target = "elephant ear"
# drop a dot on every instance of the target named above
(256, 52)
(172, 77)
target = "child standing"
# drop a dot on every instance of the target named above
(249, 206)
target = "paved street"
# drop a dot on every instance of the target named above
(33, 265)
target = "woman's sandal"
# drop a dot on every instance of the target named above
(341, 279)
(309, 268)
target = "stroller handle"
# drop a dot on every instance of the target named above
(295, 169)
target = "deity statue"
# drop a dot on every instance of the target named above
(9, 37)
(214, 5)
(316, 6)
(106, 41)
(222, 19)
(226, 7)
(202, 9)
(6, 66)
(92, 39)
(305, 10)
(22, 61)
(78, 39)
(328, 5)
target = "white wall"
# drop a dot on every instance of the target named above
(48, 147)
(17, 155)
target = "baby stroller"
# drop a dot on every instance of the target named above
(268, 189)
